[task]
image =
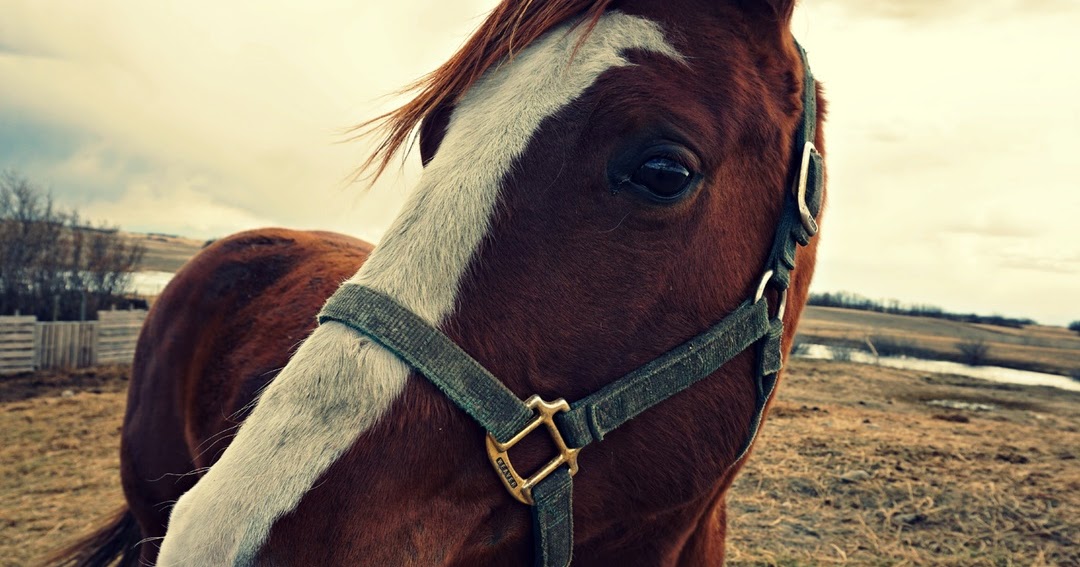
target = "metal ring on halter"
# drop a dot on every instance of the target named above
(808, 221)
(761, 293)
(783, 305)
(761, 286)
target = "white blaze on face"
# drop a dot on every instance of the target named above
(338, 384)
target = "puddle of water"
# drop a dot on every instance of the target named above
(957, 404)
(989, 373)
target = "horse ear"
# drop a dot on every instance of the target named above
(432, 130)
(778, 11)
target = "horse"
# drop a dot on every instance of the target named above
(603, 180)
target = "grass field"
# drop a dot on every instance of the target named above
(855, 466)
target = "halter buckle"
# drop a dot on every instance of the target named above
(521, 488)
(808, 221)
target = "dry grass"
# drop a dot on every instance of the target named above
(945, 487)
(165, 253)
(59, 467)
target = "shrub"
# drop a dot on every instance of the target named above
(1075, 326)
(974, 351)
(893, 346)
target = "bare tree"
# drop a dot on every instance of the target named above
(974, 351)
(53, 263)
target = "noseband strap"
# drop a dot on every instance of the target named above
(573, 426)
(464, 380)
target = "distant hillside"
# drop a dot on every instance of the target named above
(1055, 350)
(165, 253)
(848, 300)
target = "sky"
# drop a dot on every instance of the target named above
(954, 176)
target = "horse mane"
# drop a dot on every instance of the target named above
(510, 27)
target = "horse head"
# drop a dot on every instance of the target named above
(603, 181)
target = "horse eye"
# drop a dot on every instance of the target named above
(663, 177)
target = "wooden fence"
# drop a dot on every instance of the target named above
(26, 344)
(64, 344)
(117, 333)
(18, 335)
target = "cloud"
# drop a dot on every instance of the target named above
(187, 207)
(25, 140)
(253, 101)
(1065, 266)
(996, 227)
(923, 11)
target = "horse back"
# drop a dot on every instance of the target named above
(219, 333)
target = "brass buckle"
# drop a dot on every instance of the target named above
(808, 221)
(498, 453)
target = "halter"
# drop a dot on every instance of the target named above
(572, 426)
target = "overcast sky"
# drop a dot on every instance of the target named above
(953, 131)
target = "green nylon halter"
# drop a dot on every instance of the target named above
(504, 416)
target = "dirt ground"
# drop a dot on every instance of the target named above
(857, 465)
(862, 465)
(59, 468)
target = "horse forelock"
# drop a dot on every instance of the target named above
(509, 29)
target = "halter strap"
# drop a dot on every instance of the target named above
(464, 380)
(592, 417)
(507, 419)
